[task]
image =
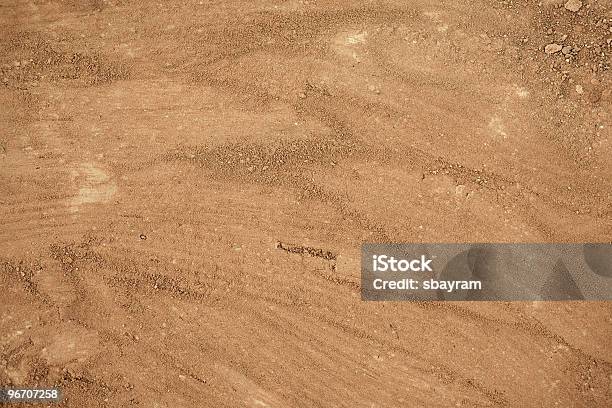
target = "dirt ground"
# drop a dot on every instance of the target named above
(185, 187)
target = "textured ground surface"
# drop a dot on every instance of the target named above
(153, 155)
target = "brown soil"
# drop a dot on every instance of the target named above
(185, 187)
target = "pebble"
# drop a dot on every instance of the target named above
(567, 49)
(594, 96)
(552, 48)
(373, 88)
(579, 89)
(573, 5)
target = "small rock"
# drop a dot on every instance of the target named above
(573, 5)
(552, 48)
(579, 89)
(595, 95)
(567, 49)
(373, 88)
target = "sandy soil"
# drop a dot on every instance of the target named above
(185, 186)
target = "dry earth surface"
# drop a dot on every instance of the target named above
(185, 186)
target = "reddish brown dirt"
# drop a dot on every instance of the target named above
(154, 154)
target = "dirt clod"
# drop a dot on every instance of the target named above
(573, 5)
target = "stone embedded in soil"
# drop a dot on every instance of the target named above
(594, 95)
(573, 5)
(566, 50)
(552, 48)
(373, 88)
